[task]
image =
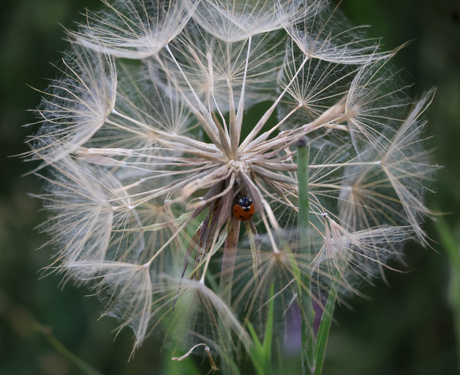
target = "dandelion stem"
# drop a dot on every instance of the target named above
(228, 260)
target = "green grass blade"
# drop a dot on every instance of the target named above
(257, 351)
(268, 336)
(324, 329)
(261, 353)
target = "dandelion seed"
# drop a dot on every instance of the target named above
(132, 29)
(77, 105)
(234, 20)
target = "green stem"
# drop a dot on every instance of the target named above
(306, 302)
(82, 365)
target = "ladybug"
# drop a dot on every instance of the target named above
(244, 210)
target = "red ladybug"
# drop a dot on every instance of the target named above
(244, 210)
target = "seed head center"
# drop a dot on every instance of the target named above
(237, 166)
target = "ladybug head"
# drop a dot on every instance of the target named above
(245, 202)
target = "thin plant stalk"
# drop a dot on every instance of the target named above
(228, 259)
(226, 280)
(84, 367)
(313, 346)
(308, 313)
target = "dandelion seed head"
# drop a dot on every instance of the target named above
(166, 113)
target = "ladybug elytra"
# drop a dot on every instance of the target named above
(244, 209)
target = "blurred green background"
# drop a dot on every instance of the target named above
(404, 328)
